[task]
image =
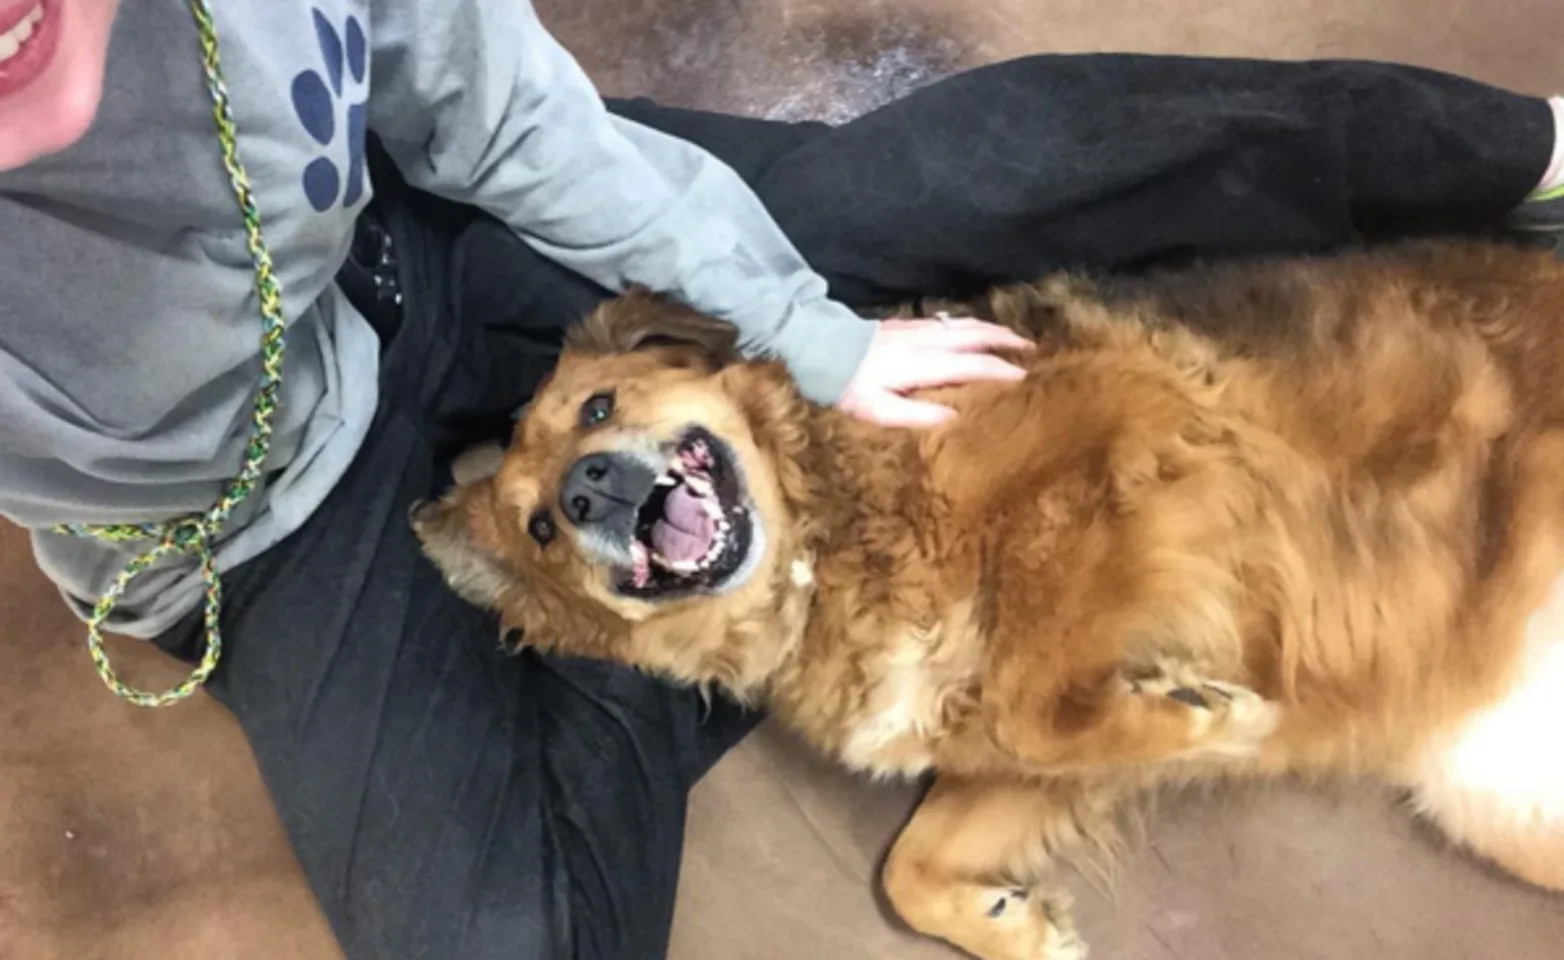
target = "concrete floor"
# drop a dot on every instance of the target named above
(133, 835)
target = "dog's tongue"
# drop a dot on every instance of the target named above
(684, 533)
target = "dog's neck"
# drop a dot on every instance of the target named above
(824, 460)
(848, 480)
(859, 501)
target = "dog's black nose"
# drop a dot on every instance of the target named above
(601, 485)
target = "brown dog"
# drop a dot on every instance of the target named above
(1289, 517)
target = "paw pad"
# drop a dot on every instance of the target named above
(1230, 718)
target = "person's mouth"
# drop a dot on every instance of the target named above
(29, 36)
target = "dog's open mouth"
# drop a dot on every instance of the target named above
(693, 531)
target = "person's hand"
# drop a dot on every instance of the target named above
(912, 354)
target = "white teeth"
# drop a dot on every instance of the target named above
(718, 544)
(700, 485)
(11, 41)
(642, 571)
(666, 564)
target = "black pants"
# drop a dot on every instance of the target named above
(449, 801)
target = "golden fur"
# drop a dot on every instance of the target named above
(1244, 520)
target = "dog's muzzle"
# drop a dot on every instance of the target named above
(603, 491)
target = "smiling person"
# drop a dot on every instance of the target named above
(261, 286)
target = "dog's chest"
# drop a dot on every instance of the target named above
(912, 685)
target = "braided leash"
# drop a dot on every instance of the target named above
(193, 534)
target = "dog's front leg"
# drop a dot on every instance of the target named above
(966, 866)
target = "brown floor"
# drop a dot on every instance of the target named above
(130, 835)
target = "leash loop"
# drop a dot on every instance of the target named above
(195, 534)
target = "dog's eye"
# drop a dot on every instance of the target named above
(598, 408)
(541, 528)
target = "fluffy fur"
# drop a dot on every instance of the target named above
(1298, 516)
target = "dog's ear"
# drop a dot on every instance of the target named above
(460, 535)
(640, 320)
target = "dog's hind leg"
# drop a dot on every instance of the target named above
(966, 867)
(1497, 786)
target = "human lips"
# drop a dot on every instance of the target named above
(29, 37)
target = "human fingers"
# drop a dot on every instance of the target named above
(943, 368)
(962, 333)
(894, 410)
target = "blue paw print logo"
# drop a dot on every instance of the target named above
(317, 99)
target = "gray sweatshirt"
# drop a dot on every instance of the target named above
(128, 323)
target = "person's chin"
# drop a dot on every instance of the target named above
(55, 109)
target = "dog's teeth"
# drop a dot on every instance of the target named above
(718, 543)
(700, 485)
(642, 573)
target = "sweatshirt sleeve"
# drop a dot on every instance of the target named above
(477, 102)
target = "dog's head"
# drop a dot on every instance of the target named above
(648, 504)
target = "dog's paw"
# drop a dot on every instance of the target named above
(1225, 719)
(1025, 926)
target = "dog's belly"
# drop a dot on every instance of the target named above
(1505, 764)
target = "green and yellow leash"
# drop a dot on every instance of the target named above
(195, 533)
